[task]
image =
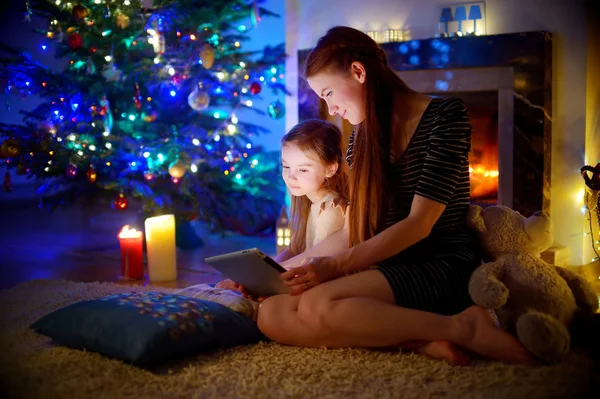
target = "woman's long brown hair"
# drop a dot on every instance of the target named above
(321, 141)
(370, 194)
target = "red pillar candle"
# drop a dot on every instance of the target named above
(132, 267)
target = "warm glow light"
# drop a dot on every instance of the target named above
(128, 232)
(480, 170)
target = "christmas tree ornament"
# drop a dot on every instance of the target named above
(255, 13)
(105, 112)
(276, 109)
(10, 148)
(149, 116)
(74, 41)
(107, 13)
(7, 182)
(198, 99)
(22, 168)
(58, 34)
(207, 56)
(79, 12)
(137, 97)
(120, 203)
(255, 88)
(28, 12)
(121, 20)
(46, 127)
(90, 67)
(148, 175)
(91, 174)
(45, 144)
(158, 36)
(71, 171)
(111, 73)
(177, 169)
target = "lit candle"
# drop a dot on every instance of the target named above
(160, 247)
(132, 267)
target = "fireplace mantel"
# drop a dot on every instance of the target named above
(518, 66)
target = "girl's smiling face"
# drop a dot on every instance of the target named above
(304, 174)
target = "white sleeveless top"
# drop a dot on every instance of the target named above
(325, 218)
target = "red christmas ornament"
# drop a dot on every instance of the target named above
(7, 182)
(71, 171)
(120, 202)
(255, 88)
(74, 41)
(102, 110)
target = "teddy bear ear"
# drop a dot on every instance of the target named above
(475, 218)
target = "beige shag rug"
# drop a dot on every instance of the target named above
(31, 367)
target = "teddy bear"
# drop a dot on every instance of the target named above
(533, 300)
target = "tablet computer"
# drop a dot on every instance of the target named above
(252, 269)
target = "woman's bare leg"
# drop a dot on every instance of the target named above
(359, 311)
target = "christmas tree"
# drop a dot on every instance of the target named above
(145, 109)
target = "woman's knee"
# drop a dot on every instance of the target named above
(314, 308)
(267, 318)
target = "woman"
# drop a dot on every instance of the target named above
(411, 255)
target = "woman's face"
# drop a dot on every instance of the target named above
(344, 95)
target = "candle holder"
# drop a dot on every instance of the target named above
(284, 233)
(131, 240)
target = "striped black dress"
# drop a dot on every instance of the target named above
(433, 274)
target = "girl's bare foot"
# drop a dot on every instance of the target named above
(475, 330)
(440, 350)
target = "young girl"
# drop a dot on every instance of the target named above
(314, 172)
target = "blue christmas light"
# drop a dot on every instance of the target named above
(242, 28)
(173, 93)
(44, 47)
(248, 146)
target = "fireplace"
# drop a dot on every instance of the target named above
(504, 81)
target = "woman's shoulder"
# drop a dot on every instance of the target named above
(450, 104)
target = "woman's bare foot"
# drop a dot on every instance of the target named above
(475, 330)
(440, 350)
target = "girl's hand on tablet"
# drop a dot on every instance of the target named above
(232, 285)
(250, 296)
(229, 285)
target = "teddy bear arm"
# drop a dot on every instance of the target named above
(585, 296)
(486, 287)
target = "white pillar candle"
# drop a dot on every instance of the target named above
(160, 246)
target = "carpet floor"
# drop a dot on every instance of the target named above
(32, 367)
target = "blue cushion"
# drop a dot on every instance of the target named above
(148, 327)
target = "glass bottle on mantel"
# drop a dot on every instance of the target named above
(284, 233)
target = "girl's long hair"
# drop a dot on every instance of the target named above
(321, 141)
(370, 191)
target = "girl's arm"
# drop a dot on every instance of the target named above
(283, 256)
(333, 244)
